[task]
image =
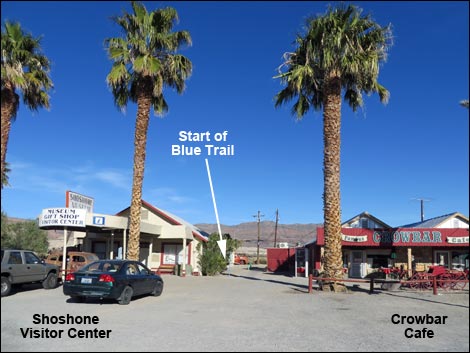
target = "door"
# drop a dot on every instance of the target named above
(147, 279)
(442, 258)
(357, 260)
(99, 248)
(144, 252)
(16, 267)
(25, 267)
(34, 267)
(135, 279)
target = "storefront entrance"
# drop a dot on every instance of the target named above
(357, 267)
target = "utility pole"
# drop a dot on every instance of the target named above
(422, 207)
(257, 244)
(275, 227)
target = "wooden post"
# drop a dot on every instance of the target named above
(310, 282)
(371, 289)
(434, 285)
(410, 269)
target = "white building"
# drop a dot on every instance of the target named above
(165, 239)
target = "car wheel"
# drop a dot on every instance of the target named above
(50, 282)
(126, 296)
(158, 289)
(6, 286)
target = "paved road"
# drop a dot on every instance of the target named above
(244, 311)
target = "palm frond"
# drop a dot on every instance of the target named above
(343, 43)
(147, 51)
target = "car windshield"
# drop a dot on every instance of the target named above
(102, 266)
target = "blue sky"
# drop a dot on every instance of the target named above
(417, 146)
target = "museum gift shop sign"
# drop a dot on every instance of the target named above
(66, 217)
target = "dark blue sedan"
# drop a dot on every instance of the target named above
(112, 279)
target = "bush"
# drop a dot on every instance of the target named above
(24, 235)
(211, 260)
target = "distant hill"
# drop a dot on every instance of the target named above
(248, 232)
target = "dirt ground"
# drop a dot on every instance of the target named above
(247, 310)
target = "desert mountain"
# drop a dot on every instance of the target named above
(248, 232)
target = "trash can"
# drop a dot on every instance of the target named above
(177, 270)
(189, 270)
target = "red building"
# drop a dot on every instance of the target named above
(365, 250)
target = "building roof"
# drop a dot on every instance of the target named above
(173, 220)
(367, 215)
(436, 221)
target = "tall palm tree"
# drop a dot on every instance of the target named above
(145, 61)
(464, 103)
(339, 52)
(25, 70)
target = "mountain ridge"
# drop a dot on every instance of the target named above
(247, 232)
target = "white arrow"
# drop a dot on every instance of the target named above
(222, 243)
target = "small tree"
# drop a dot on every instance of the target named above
(24, 236)
(211, 260)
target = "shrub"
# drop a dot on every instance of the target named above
(211, 260)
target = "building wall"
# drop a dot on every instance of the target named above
(453, 222)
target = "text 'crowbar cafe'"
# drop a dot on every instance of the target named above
(367, 250)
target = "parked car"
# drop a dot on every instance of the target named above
(240, 259)
(112, 279)
(75, 260)
(24, 266)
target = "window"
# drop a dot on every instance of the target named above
(110, 267)
(143, 270)
(15, 258)
(78, 258)
(377, 261)
(31, 258)
(132, 270)
(459, 260)
(364, 223)
(173, 254)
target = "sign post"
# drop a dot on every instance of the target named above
(221, 242)
(63, 217)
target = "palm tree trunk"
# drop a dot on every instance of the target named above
(8, 111)
(140, 142)
(331, 164)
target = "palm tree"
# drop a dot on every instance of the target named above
(340, 51)
(5, 173)
(25, 70)
(145, 61)
(464, 103)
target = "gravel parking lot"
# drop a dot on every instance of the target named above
(243, 310)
